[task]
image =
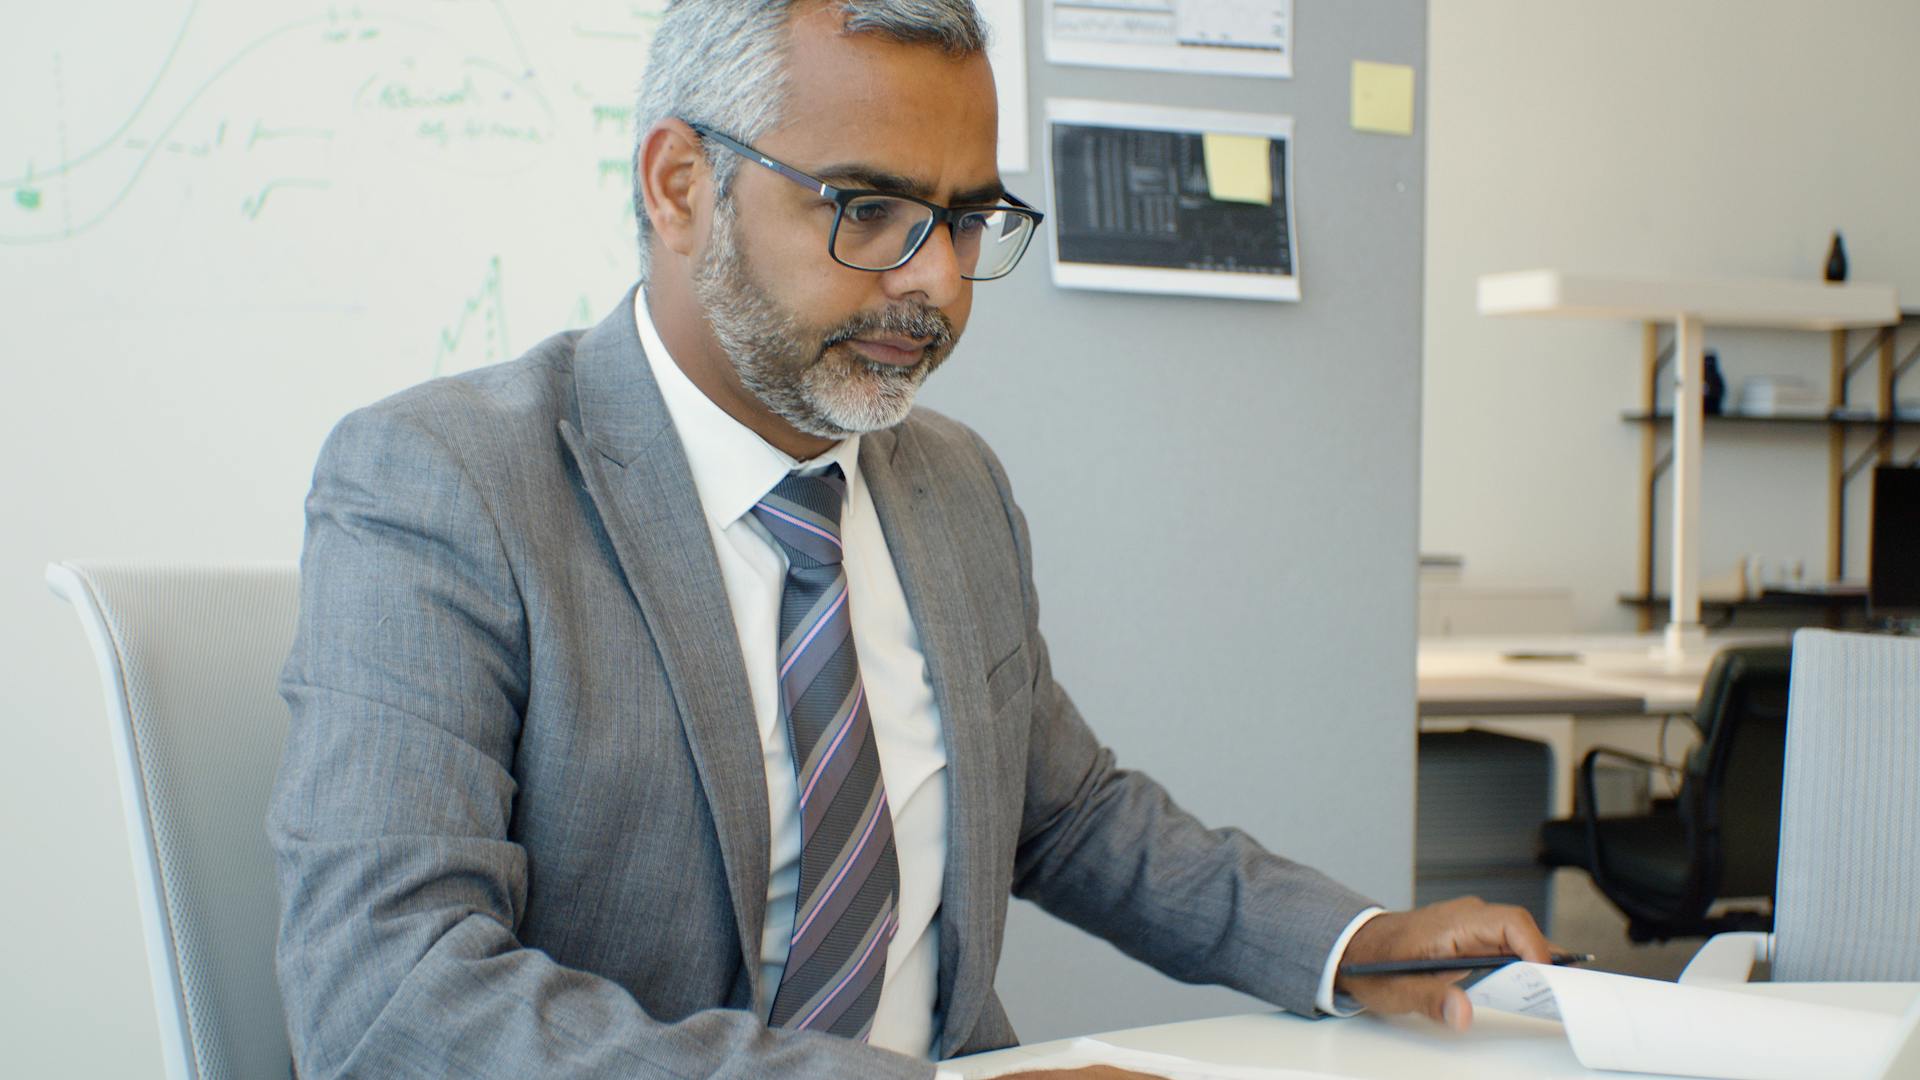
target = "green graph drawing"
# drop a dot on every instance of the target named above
(492, 103)
(481, 326)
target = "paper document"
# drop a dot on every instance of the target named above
(1007, 51)
(1083, 1052)
(1212, 37)
(1644, 1025)
(1191, 202)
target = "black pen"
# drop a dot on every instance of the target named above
(1451, 963)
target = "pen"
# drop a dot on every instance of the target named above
(1451, 963)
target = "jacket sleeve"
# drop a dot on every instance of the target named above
(1107, 850)
(401, 886)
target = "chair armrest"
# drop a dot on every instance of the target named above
(1623, 755)
(1589, 816)
(1594, 755)
(1728, 958)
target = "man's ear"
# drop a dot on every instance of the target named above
(674, 183)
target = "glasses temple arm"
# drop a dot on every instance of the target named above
(823, 189)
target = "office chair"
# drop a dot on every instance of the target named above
(1850, 818)
(1720, 834)
(189, 658)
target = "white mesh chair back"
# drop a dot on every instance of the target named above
(190, 657)
(1849, 879)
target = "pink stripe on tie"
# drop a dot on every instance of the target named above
(859, 696)
(812, 528)
(826, 893)
(825, 617)
(886, 934)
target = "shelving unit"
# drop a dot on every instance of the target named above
(1850, 350)
(1837, 610)
(1690, 306)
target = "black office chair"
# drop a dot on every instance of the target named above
(1719, 836)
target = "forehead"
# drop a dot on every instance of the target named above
(865, 99)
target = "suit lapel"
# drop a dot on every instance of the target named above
(898, 475)
(635, 471)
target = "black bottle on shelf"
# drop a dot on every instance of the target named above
(1713, 387)
(1837, 259)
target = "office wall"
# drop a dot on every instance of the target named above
(226, 225)
(1253, 647)
(1714, 137)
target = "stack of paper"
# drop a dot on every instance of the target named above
(1643, 1025)
(1780, 395)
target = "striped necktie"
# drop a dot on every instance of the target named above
(846, 907)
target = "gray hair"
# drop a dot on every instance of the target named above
(722, 63)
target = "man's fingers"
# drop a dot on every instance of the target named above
(1423, 994)
(1523, 937)
(1456, 1011)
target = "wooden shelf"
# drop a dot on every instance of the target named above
(1641, 416)
(1838, 609)
(1768, 600)
(1690, 306)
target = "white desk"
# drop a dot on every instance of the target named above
(1499, 1047)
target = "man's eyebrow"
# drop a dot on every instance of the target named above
(865, 176)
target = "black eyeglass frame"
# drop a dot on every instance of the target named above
(841, 197)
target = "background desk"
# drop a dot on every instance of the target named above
(1475, 682)
(1622, 667)
(1481, 797)
(1500, 1046)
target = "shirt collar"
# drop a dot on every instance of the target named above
(732, 466)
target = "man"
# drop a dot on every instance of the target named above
(671, 701)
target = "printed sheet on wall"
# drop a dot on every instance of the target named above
(1182, 201)
(1203, 37)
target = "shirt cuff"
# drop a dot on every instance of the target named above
(1324, 999)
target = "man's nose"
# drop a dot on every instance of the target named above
(933, 272)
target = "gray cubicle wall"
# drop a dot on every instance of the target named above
(226, 225)
(1223, 500)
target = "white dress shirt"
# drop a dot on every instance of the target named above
(732, 468)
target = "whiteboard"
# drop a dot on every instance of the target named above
(396, 190)
(223, 225)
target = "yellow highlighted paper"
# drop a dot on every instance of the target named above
(1239, 168)
(1382, 98)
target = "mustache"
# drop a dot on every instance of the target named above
(912, 320)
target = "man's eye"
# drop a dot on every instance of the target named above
(973, 223)
(869, 213)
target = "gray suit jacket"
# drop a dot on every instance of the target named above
(521, 824)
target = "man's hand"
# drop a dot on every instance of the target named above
(1464, 927)
(1085, 1072)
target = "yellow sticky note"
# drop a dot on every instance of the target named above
(1239, 168)
(1382, 98)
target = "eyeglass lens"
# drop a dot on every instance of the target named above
(878, 232)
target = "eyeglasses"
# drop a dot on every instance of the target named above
(880, 231)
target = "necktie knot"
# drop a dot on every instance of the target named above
(802, 513)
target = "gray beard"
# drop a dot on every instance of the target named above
(806, 376)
